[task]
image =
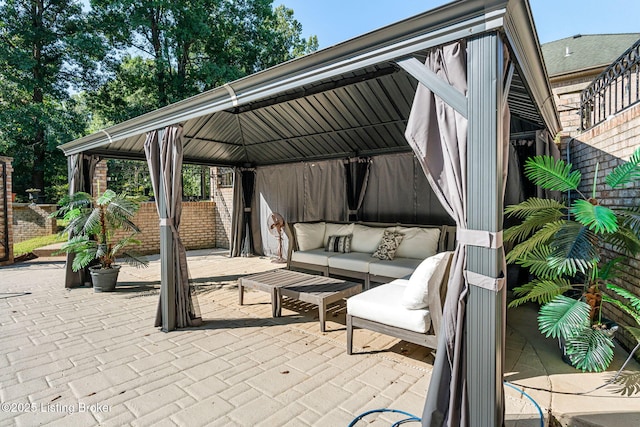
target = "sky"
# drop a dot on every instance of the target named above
(335, 21)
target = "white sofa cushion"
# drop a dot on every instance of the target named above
(310, 235)
(354, 261)
(315, 256)
(332, 229)
(431, 270)
(418, 242)
(397, 268)
(383, 304)
(366, 239)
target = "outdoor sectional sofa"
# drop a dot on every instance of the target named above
(308, 249)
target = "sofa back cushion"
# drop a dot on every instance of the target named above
(366, 239)
(310, 235)
(333, 229)
(418, 242)
(429, 274)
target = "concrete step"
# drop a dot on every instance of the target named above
(49, 251)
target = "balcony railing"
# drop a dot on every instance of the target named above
(617, 88)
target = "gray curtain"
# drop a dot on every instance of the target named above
(309, 191)
(438, 136)
(237, 219)
(80, 170)
(398, 191)
(165, 163)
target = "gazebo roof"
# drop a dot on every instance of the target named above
(346, 100)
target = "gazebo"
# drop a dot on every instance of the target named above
(452, 86)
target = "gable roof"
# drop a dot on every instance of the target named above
(584, 52)
(350, 99)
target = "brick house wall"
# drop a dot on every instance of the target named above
(99, 184)
(7, 252)
(31, 220)
(609, 144)
(197, 226)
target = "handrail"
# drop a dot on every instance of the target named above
(615, 89)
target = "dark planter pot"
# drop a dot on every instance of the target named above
(610, 329)
(104, 279)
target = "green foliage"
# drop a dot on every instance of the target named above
(590, 350)
(560, 251)
(92, 225)
(598, 218)
(541, 291)
(27, 246)
(46, 48)
(563, 316)
(627, 172)
(172, 50)
(552, 174)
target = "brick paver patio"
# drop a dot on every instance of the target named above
(75, 357)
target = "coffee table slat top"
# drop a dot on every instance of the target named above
(319, 290)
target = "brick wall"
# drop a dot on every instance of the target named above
(567, 97)
(197, 226)
(6, 252)
(99, 184)
(609, 144)
(223, 197)
(31, 220)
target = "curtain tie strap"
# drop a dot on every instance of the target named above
(247, 209)
(166, 222)
(482, 238)
(485, 282)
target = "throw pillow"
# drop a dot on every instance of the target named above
(389, 245)
(431, 270)
(340, 244)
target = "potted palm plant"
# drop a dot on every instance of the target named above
(91, 228)
(562, 246)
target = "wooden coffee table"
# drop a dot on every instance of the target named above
(318, 290)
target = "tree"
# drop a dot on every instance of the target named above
(45, 49)
(173, 50)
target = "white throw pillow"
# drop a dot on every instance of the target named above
(333, 229)
(430, 270)
(366, 239)
(419, 243)
(310, 235)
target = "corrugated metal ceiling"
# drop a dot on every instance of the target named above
(364, 113)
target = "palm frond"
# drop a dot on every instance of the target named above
(106, 197)
(590, 350)
(541, 237)
(598, 218)
(630, 217)
(135, 259)
(552, 174)
(540, 291)
(575, 248)
(531, 206)
(632, 308)
(624, 240)
(563, 316)
(626, 172)
(531, 224)
(537, 262)
(626, 383)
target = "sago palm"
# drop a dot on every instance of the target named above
(561, 246)
(92, 226)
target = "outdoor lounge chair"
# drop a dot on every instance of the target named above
(409, 309)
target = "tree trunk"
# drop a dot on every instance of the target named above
(39, 143)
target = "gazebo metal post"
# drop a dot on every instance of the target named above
(167, 255)
(484, 315)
